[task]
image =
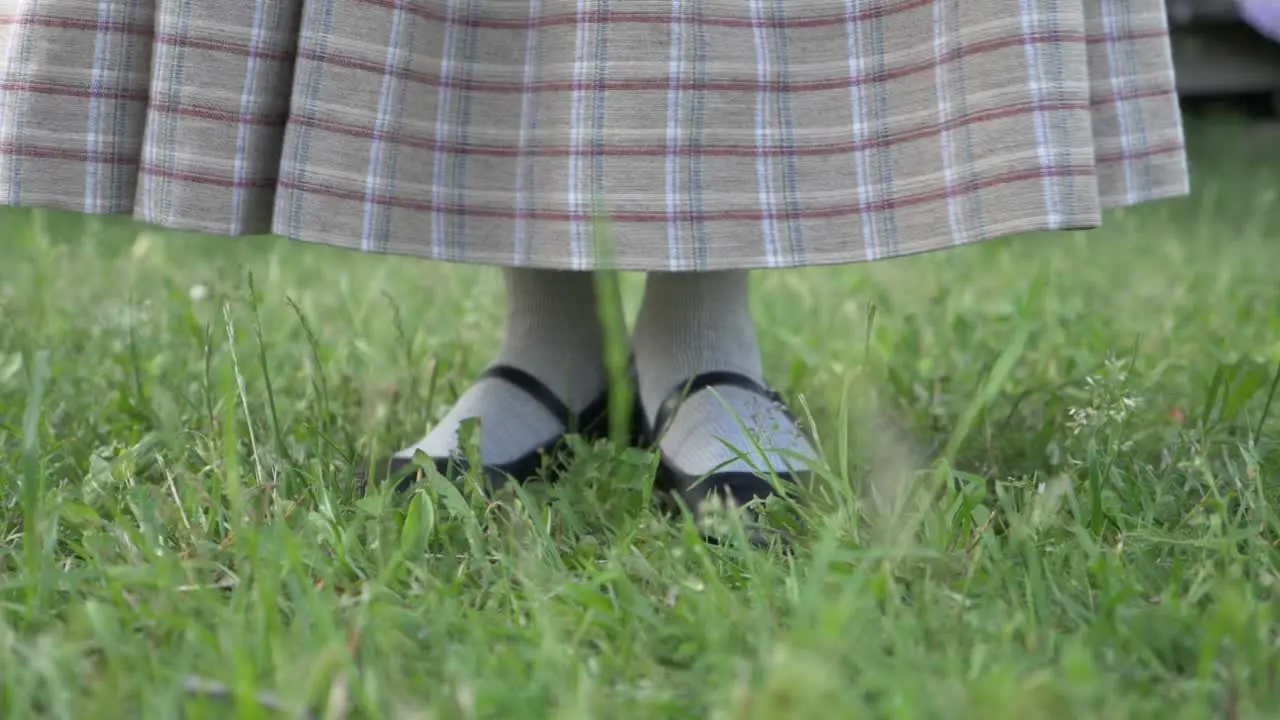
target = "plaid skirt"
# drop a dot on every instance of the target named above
(676, 135)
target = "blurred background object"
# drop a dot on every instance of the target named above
(1227, 48)
(1263, 15)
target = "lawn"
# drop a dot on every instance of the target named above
(1052, 488)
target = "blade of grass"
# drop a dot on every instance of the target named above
(616, 344)
(33, 486)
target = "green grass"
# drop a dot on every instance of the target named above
(1053, 488)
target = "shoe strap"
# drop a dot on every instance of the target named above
(534, 388)
(589, 420)
(715, 378)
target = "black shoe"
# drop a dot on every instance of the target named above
(591, 423)
(737, 487)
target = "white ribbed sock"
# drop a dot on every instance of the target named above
(692, 323)
(553, 333)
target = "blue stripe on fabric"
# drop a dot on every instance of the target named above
(887, 218)
(121, 172)
(1058, 118)
(1142, 131)
(177, 80)
(374, 213)
(246, 106)
(598, 117)
(701, 250)
(969, 181)
(457, 239)
(791, 196)
(94, 135)
(305, 134)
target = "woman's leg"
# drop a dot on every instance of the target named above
(552, 333)
(694, 323)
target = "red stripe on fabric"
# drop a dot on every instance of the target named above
(624, 18)
(42, 152)
(58, 23)
(1159, 34)
(230, 117)
(665, 85)
(1122, 157)
(234, 117)
(424, 143)
(218, 45)
(202, 179)
(204, 113)
(663, 216)
(129, 159)
(225, 47)
(79, 91)
(1121, 97)
(563, 19)
(58, 153)
(649, 18)
(96, 158)
(243, 50)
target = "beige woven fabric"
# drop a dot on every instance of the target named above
(711, 134)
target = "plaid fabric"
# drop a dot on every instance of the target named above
(712, 135)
